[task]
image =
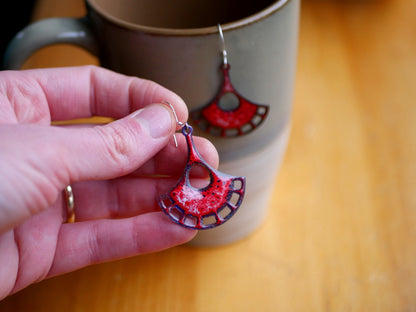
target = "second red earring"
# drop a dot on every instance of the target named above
(229, 114)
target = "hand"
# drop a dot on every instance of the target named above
(116, 170)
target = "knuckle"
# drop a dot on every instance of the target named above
(93, 244)
(25, 96)
(119, 142)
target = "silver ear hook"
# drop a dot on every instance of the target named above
(180, 123)
(223, 50)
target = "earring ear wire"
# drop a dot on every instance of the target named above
(223, 49)
(179, 123)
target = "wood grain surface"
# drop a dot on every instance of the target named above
(341, 229)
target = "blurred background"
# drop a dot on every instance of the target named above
(14, 15)
(340, 234)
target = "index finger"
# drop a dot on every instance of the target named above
(87, 91)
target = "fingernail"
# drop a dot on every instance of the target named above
(157, 119)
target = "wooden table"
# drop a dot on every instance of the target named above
(341, 235)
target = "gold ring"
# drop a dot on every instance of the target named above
(70, 205)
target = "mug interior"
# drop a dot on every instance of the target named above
(179, 14)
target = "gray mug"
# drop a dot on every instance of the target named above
(177, 44)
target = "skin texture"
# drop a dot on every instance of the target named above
(116, 170)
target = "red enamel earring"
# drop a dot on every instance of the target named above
(229, 114)
(209, 206)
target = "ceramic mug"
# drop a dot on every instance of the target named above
(177, 44)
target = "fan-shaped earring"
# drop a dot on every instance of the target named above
(229, 114)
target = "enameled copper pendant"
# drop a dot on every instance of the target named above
(209, 206)
(224, 120)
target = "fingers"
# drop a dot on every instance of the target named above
(85, 243)
(80, 92)
(37, 162)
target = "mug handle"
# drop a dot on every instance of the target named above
(46, 32)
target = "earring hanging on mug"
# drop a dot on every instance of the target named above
(229, 114)
(206, 207)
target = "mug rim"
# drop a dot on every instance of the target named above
(260, 15)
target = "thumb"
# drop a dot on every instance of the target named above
(115, 149)
(38, 161)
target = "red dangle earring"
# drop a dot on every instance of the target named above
(229, 114)
(209, 206)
